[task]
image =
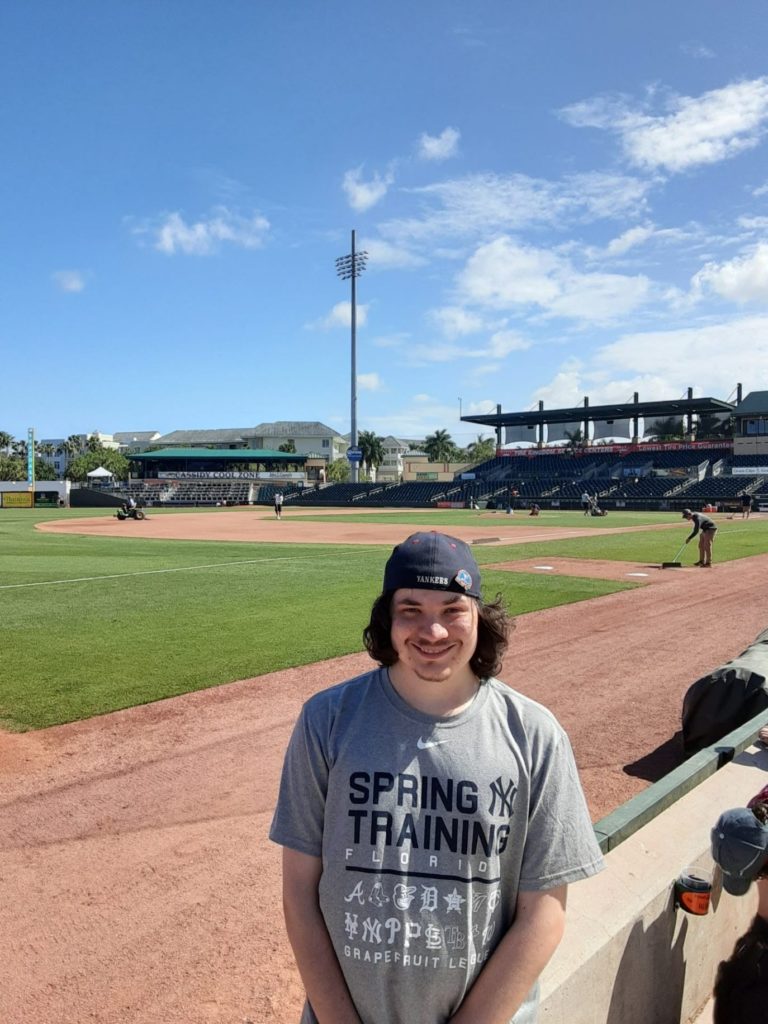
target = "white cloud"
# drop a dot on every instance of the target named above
(498, 346)
(341, 316)
(203, 237)
(385, 256)
(439, 147)
(362, 195)
(762, 190)
(68, 280)
(711, 357)
(391, 341)
(696, 131)
(629, 239)
(743, 279)
(455, 322)
(480, 204)
(505, 275)
(504, 342)
(753, 223)
(697, 50)
(369, 382)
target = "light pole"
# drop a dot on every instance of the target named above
(350, 267)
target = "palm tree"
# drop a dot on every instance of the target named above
(72, 446)
(372, 447)
(575, 438)
(93, 443)
(46, 450)
(669, 429)
(439, 446)
(6, 442)
(714, 425)
(481, 450)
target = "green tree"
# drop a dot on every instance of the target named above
(288, 446)
(372, 447)
(337, 472)
(481, 450)
(6, 442)
(710, 425)
(45, 470)
(93, 443)
(669, 429)
(45, 450)
(110, 459)
(575, 438)
(12, 468)
(440, 447)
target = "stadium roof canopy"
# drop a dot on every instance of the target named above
(216, 455)
(755, 404)
(627, 410)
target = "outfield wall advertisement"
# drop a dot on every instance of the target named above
(16, 499)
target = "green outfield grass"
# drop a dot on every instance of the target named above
(94, 624)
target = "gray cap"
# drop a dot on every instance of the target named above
(687, 513)
(740, 847)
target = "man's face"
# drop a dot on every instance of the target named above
(434, 633)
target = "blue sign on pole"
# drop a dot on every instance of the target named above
(355, 454)
(31, 455)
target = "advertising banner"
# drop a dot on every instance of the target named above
(17, 499)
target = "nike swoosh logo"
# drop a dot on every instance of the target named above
(426, 744)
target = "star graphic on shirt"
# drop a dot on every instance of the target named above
(454, 900)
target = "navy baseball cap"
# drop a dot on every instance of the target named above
(740, 847)
(433, 561)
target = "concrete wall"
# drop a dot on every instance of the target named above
(628, 956)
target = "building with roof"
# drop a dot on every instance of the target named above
(308, 437)
(135, 440)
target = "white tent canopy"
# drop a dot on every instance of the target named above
(99, 473)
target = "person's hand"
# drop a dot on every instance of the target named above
(687, 540)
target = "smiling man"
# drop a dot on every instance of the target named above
(431, 817)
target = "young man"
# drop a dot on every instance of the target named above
(431, 817)
(278, 504)
(586, 502)
(706, 529)
(746, 505)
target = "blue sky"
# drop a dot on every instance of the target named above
(557, 200)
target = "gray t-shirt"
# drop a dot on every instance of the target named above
(428, 828)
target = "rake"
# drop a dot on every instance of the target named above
(676, 564)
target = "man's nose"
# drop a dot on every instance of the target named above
(434, 627)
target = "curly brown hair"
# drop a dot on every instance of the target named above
(493, 628)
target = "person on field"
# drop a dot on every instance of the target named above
(431, 817)
(278, 499)
(746, 505)
(706, 528)
(586, 502)
(740, 848)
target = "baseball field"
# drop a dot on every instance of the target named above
(151, 672)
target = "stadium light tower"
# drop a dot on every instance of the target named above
(349, 268)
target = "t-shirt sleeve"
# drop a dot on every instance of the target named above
(300, 811)
(561, 846)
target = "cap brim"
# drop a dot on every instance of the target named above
(736, 886)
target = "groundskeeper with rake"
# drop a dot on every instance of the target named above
(431, 817)
(706, 528)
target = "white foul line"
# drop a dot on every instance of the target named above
(154, 572)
